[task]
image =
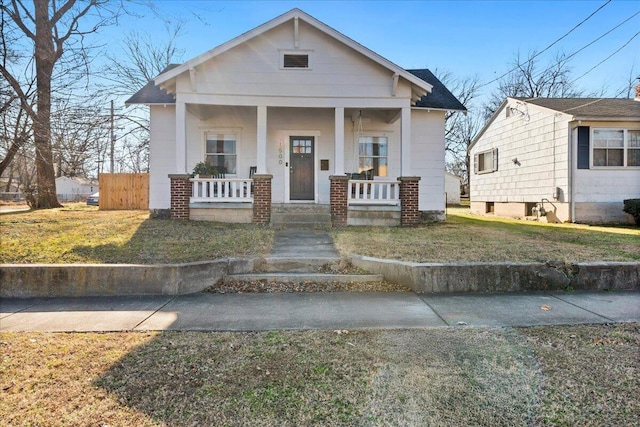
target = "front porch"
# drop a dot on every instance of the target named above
(352, 201)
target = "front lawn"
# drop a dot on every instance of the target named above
(466, 237)
(559, 375)
(81, 234)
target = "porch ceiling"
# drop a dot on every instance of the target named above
(388, 115)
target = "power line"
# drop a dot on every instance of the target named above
(594, 41)
(548, 47)
(608, 57)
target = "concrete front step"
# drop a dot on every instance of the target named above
(303, 277)
(300, 216)
(293, 264)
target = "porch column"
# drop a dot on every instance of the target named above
(405, 142)
(262, 198)
(339, 199)
(338, 167)
(181, 137)
(180, 195)
(261, 140)
(409, 194)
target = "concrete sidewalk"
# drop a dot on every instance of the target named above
(327, 311)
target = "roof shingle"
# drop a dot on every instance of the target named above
(595, 108)
(440, 97)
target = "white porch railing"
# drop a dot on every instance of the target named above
(221, 190)
(364, 192)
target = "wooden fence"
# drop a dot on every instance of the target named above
(124, 191)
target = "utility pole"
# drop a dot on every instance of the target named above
(113, 138)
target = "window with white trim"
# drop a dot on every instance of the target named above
(615, 148)
(295, 60)
(220, 151)
(486, 161)
(372, 156)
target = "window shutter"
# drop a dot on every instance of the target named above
(583, 147)
(475, 163)
(495, 159)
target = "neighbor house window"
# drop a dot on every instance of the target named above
(220, 151)
(633, 148)
(616, 147)
(486, 161)
(372, 156)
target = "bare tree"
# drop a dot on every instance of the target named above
(143, 58)
(52, 30)
(530, 79)
(77, 127)
(461, 127)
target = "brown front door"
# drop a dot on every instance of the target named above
(301, 178)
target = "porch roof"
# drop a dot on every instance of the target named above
(440, 97)
(151, 94)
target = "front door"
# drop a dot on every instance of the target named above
(301, 173)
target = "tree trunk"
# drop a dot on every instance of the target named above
(45, 57)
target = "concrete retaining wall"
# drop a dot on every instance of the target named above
(70, 280)
(504, 277)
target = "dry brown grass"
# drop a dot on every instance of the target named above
(464, 237)
(81, 234)
(573, 375)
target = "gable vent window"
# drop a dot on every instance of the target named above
(296, 61)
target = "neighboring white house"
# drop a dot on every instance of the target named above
(452, 185)
(294, 102)
(576, 158)
(74, 188)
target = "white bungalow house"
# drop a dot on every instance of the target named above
(75, 188)
(562, 159)
(452, 185)
(294, 112)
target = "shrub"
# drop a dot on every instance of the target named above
(632, 207)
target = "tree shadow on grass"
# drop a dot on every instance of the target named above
(326, 378)
(158, 241)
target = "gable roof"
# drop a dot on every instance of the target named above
(591, 108)
(152, 94)
(292, 14)
(597, 109)
(440, 97)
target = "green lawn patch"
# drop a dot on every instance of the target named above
(78, 234)
(468, 238)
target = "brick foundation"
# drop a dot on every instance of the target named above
(409, 194)
(338, 199)
(262, 199)
(180, 195)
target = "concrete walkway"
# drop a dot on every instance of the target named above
(301, 243)
(327, 311)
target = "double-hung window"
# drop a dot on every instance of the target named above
(372, 156)
(486, 161)
(616, 148)
(220, 151)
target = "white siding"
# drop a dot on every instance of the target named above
(538, 140)
(607, 185)
(162, 155)
(253, 69)
(427, 157)
(452, 188)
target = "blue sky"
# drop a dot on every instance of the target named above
(463, 37)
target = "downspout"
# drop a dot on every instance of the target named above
(572, 143)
